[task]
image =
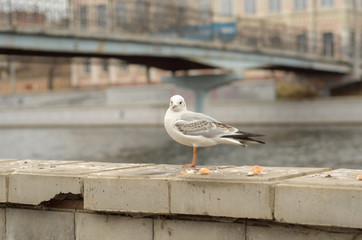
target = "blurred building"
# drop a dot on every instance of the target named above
(316, 26)
(22, 74)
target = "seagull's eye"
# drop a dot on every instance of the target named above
(181, 102)
(171, 103)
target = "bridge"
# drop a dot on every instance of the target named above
(168, 37)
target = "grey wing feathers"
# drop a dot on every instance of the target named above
(205, 128)
(192, 116)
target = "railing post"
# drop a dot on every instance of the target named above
(357, 41)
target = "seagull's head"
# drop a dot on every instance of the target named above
(177, 103)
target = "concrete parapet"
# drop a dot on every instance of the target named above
(319, 111)
(180, 230)
(145, 201)
(267, 231)
(331, 198)
(65, 177)
(96, 226)
(35, 224)
(230, 192)
(2, 223)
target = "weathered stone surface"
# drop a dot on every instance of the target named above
(3, 188)
(2, 223)
(275, 232)
(131, 190)
(34, 189)
(54, 179)
(7, 160)
(331, 198)
(39, 224)
(96, 226)
(183, 230)
(230, 192)
(8, 166)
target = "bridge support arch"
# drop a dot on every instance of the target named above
(202, 84)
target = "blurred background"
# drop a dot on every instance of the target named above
(91, 79)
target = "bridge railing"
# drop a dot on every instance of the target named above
(169, 20)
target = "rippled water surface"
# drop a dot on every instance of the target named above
(302, 146)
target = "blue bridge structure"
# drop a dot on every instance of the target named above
(169, 37)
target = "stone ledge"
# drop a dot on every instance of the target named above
(303, 196)
(95, 226)
(2, 223)
(81, 225)
(34, 181)
(180, 229)
(331, 198)
(35, 224)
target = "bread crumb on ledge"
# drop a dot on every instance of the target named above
(204, 171)
(255, 170)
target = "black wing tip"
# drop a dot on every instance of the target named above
(247, 134)
(243, 138)
(258, 141)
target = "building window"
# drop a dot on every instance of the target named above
(274, 6)
(160, 13)
(105, 65)
(121, 13)
(86, 65)
(275, 42)
(226, 7)
(102, 15)
(123, 66)
(328, 44)
(83, 12)
(142, 8)
(300, 4)
(204, 6)
(327, 3)
(302, 45)
(250, 6)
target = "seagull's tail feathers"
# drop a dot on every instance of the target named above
(245, 137)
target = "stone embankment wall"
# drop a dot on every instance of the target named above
(90, 200)
(325, 111)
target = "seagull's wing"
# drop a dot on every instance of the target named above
(192, 116)
(198, 124)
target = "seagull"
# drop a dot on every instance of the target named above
(199, 130)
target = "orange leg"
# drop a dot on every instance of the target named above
(194, 159)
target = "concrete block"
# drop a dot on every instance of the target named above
(7, 160)
(3, 188)
(38, 184)
(35, 189)
(183, 230)
(230, 192)
(2, 223)
(8, 166)
(331, 198)
(96, 226)
(39, 224)
(29, 165)
(275, 232)
(134, 190)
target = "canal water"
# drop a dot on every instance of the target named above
(297, 146)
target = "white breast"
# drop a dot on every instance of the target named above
(192, 141)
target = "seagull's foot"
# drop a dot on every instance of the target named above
(189, 165)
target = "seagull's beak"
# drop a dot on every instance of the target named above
(174, 106)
